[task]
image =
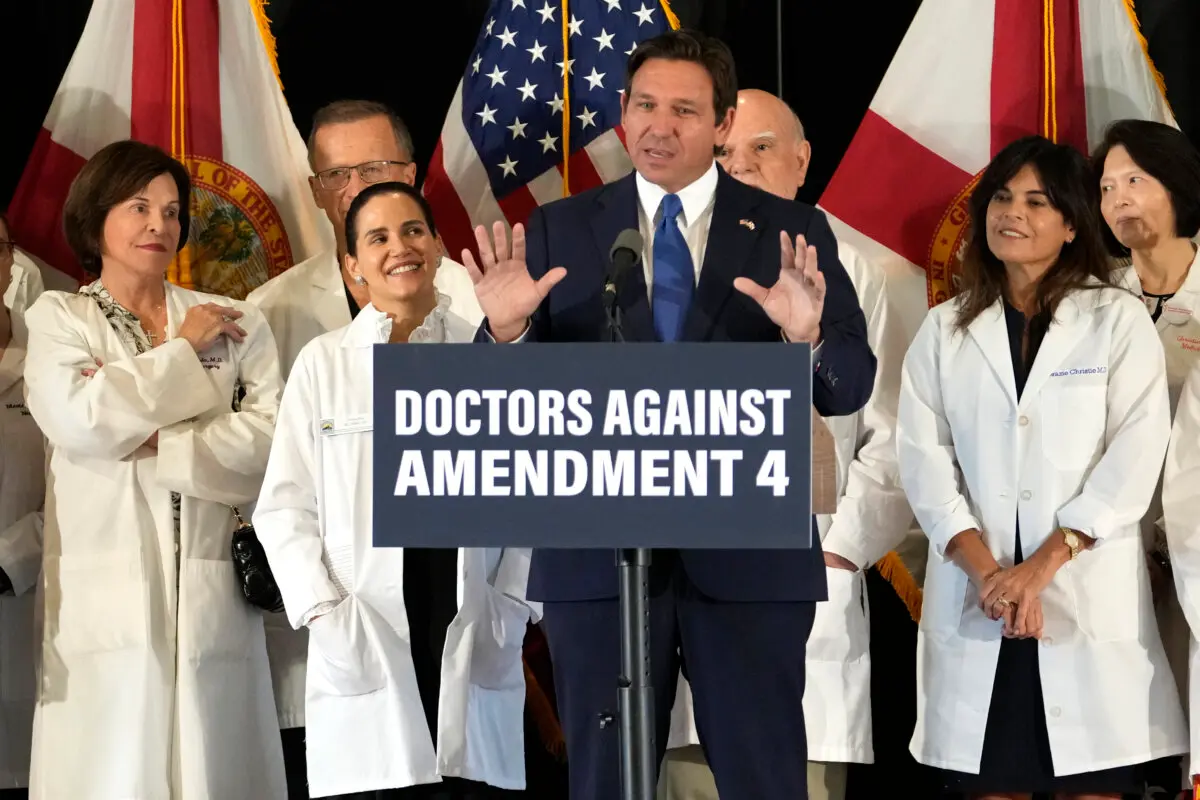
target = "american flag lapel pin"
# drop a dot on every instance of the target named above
(746, 223)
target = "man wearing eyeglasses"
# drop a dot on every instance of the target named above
(352, 144)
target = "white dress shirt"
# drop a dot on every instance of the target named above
(697, 199)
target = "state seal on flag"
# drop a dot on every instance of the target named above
(943, 265)
(237, 240)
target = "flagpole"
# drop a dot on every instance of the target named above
(779, 48)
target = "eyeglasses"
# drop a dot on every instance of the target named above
(369, 172)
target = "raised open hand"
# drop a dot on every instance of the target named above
(506, 291)
(797, 299)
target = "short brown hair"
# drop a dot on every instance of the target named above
(341, 111)
(698, 48)
(109, 178)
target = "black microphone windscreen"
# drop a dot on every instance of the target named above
(626, 251)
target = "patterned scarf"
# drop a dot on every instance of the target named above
(129, 328)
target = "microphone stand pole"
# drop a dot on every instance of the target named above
(635, 692)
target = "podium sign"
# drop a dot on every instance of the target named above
(688, 445)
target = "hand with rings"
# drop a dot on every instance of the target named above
(1014, 596)
(205, 323)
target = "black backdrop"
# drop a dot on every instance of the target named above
(410, 54)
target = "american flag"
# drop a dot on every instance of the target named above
(500, 154)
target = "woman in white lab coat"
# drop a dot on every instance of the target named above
(1033, 420)
(415, 685)
(1149, 177)
(158, 405)
(1181, 514)
(22, 489)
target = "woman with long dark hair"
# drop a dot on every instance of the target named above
(1032, 425)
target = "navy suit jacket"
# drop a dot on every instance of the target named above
(576, 233)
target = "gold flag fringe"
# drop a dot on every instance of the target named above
(1137, 29)
(264, 30)
(894, 572)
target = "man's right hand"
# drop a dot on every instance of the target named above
(507, 293)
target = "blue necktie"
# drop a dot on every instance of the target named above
(674, 275)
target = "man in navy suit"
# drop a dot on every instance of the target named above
(719, 265)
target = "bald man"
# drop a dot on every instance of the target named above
(767, 148)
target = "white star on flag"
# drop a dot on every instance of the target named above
(605, 39)
(518, 128)
(595, 79)
(487, 115)
(527, 90)
(497, 76)
(645, 15)
(586, 118)
(508, 37)
(509, 166)
(548, 143)
(547, 13)
(575, 25)
(535, 52)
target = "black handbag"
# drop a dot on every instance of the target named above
(253, 570)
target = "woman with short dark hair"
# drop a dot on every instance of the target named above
(1032, 425)
(1149, 177)
(158, 404)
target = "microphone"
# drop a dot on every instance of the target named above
(625, 253)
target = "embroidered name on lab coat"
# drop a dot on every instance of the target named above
(18, 407)
(212, 362)
(1188, 343)
(1066, 373)
(352, 423)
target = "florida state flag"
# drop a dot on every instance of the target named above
(195, 79)
(970, 77)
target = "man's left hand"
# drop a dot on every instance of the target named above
(797, 299)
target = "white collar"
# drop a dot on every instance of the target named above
(695, 197)
(372, 326)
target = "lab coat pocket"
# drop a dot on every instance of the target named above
(1105, 589)
(840, 631)
(1073, 420)
(947, 593)
(343, 659)
(496, 662)
(96, 602)
(215, 621)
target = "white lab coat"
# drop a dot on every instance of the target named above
(872, 517)
(300, 304)
(22, 490)
(1181, 512)
(366, 728)
(154, 682)
(1081, 449)
(1179, 329)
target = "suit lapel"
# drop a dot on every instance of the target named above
(617, 209)
(990, 332)
(330, 305)
(732, 235)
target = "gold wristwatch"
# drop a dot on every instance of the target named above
(1072, 540)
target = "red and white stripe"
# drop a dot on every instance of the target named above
(967, 80)
(461, 196)
(118, 86)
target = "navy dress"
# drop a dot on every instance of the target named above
(1016, 745)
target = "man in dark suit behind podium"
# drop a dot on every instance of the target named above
(713, 246)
